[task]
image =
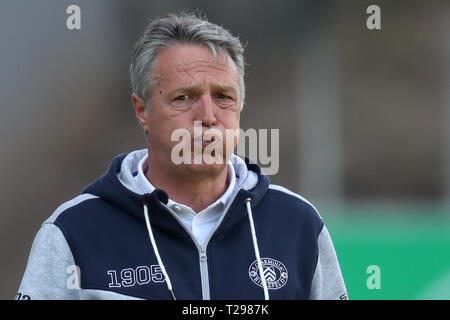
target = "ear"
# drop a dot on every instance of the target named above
(141, 112)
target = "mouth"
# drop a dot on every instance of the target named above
(207, 140)
(204, 141)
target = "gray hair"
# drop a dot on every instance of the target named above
(183, 28)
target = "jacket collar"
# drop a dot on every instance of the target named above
(110, 189)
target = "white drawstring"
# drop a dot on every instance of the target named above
(155, 249)
(255, 246)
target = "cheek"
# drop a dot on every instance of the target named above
(173, 127)
(230, 122)
(230, 119)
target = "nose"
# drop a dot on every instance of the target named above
(206, 111)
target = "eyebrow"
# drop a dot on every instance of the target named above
(194, 88)
(224, 88)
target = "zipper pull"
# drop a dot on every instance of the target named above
(203, 255)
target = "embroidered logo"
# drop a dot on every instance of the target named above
(274, 271)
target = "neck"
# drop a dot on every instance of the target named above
(192, 189)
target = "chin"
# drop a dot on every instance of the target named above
(207, 169)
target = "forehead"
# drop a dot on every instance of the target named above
(186, 64)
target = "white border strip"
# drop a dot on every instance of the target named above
(289, 192)
(69, 204)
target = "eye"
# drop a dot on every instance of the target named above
(221, 96)
(224, 100)
(183, 101)
(183, 97)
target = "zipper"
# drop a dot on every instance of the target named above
(203, 258)
(204, 274)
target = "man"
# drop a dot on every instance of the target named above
(156, 228)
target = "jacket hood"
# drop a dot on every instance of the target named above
(119, 187)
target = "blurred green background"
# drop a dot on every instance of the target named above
(409, 244)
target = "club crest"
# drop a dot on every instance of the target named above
(274, 271)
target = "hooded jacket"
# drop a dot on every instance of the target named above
(111, 242)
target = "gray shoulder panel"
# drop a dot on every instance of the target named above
(50, 272)
(328, 283)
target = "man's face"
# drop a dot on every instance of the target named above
(192, 87)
